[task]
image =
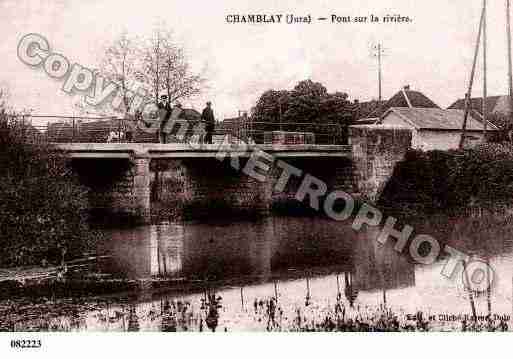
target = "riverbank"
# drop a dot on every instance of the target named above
(210, 313)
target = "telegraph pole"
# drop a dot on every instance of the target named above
(378, 52)
(468, 95)
(379, 71)
(510, 75)
(485, 83)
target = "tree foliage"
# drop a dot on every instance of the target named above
(43, 209)
(452, 181)
(271, 106)
(307, 102)
(308, 107)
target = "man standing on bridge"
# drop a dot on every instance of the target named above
(164, 114)
(210, 123)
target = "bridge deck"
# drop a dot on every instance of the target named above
(157, 150)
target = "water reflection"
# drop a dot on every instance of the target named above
(278, 274)
(275, 247)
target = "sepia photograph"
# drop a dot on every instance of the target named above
(254, 167)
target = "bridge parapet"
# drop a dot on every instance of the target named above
(155, 150)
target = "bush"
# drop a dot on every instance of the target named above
(451, 181)
(42, 208)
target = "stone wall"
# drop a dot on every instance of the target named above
(203, 187)
(337, 173)
(118, 189)
(376, 150)
(207, 187)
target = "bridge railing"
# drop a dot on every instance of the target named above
(82, 129)
(69, 129)
(291, 132)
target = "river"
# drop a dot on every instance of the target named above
(279, 273)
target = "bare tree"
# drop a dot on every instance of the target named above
(178, 81)
(121, 64)
(152, 63)
(168, 69)
(142, 69)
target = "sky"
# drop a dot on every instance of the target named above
(432, 54)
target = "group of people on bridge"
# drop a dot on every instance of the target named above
(167, 115)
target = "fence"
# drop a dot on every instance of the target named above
(65, 129)
(323, 133)
(83, 129)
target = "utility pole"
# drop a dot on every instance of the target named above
(379, 72)
(279, 102)
(378, 52)
(510, 75)
(485, 73)
(468, 95)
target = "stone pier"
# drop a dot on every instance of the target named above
(118, 189)
(376, 150)
(140, 196)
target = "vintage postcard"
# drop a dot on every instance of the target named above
(255, 166)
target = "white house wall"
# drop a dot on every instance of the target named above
(428, 140)
(392, 119)
(444, 140)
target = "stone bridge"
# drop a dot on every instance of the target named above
(127, 179)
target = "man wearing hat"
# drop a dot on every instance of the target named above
(164, 114)
(210, 123)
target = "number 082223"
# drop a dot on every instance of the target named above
(26, 344)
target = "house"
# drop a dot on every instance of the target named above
(234, 125)
(367, 121)
(369, 109)
(435, 128)
(406, 97)
(495, 105)
(239, 128)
